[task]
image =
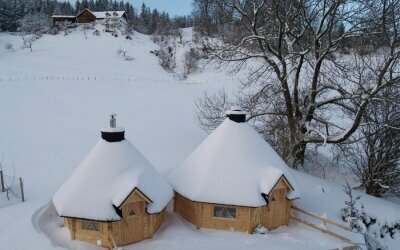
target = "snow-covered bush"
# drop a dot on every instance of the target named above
(167, 58)
(96, 33)
(359, 221)
(9, 47)
(191, 61)
(28, 41)
(53, 31)
(121, 52)
(114, 33)
(350, 213)
(260, 229)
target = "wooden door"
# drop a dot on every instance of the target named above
(276, 214)
(132, 225)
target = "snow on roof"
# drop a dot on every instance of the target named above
(113, 130)
(61, 16)
(103, 14)
(105, 179)
(233, 165)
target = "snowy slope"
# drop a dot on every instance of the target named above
(53, 100)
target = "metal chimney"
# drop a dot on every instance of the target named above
(113, 121)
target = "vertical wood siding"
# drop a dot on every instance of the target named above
(273, 215)
(128, 230)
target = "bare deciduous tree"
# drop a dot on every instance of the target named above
(302, 85)
(191, 60)
(28, 41)
(377, 157)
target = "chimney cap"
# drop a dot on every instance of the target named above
(236, 114)
(236, 110)
(113, 133)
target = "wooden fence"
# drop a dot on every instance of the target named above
(324, 229)
(12, 188)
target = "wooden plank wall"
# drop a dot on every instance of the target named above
(127, 230)
(85, 17)
(78, 233)
(241, 223)
(276, 214)
(185, 207)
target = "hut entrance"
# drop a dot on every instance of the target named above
(132, 226)
(279, 206)
(276, 211)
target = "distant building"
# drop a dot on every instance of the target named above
(111, 19)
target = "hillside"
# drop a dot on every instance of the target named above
(54, 100)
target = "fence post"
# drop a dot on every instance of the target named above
(2, 181)
(22, 189)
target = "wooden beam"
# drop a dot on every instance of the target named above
(111, 239)
(2, 181)
(325, 220)
(322, 229)
(22, 189)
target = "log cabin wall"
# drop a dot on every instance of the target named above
(185, 207)
(273, 215)
(136, 224)
(159, 219)
(241, 222)
(96, 236)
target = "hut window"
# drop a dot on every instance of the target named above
(225, 212)
(90, 225)
(131, 213)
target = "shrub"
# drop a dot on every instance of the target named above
(191, 61)
(9, 47)
(167, 60)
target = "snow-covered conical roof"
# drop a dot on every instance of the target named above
(105, 178)
(234, 165)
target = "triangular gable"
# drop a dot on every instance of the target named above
(86, 10)
(282, 178)
(139, 193)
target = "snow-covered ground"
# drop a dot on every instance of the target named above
(54, 100)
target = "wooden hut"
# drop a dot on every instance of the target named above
(234, 180)
(115, 197)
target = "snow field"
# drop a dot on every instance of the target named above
(49, 126)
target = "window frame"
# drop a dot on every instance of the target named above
(131, 215)
(85, 225)
(225, 208)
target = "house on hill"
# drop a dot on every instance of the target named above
(115, 197)
(111, 19)
(234, 180)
